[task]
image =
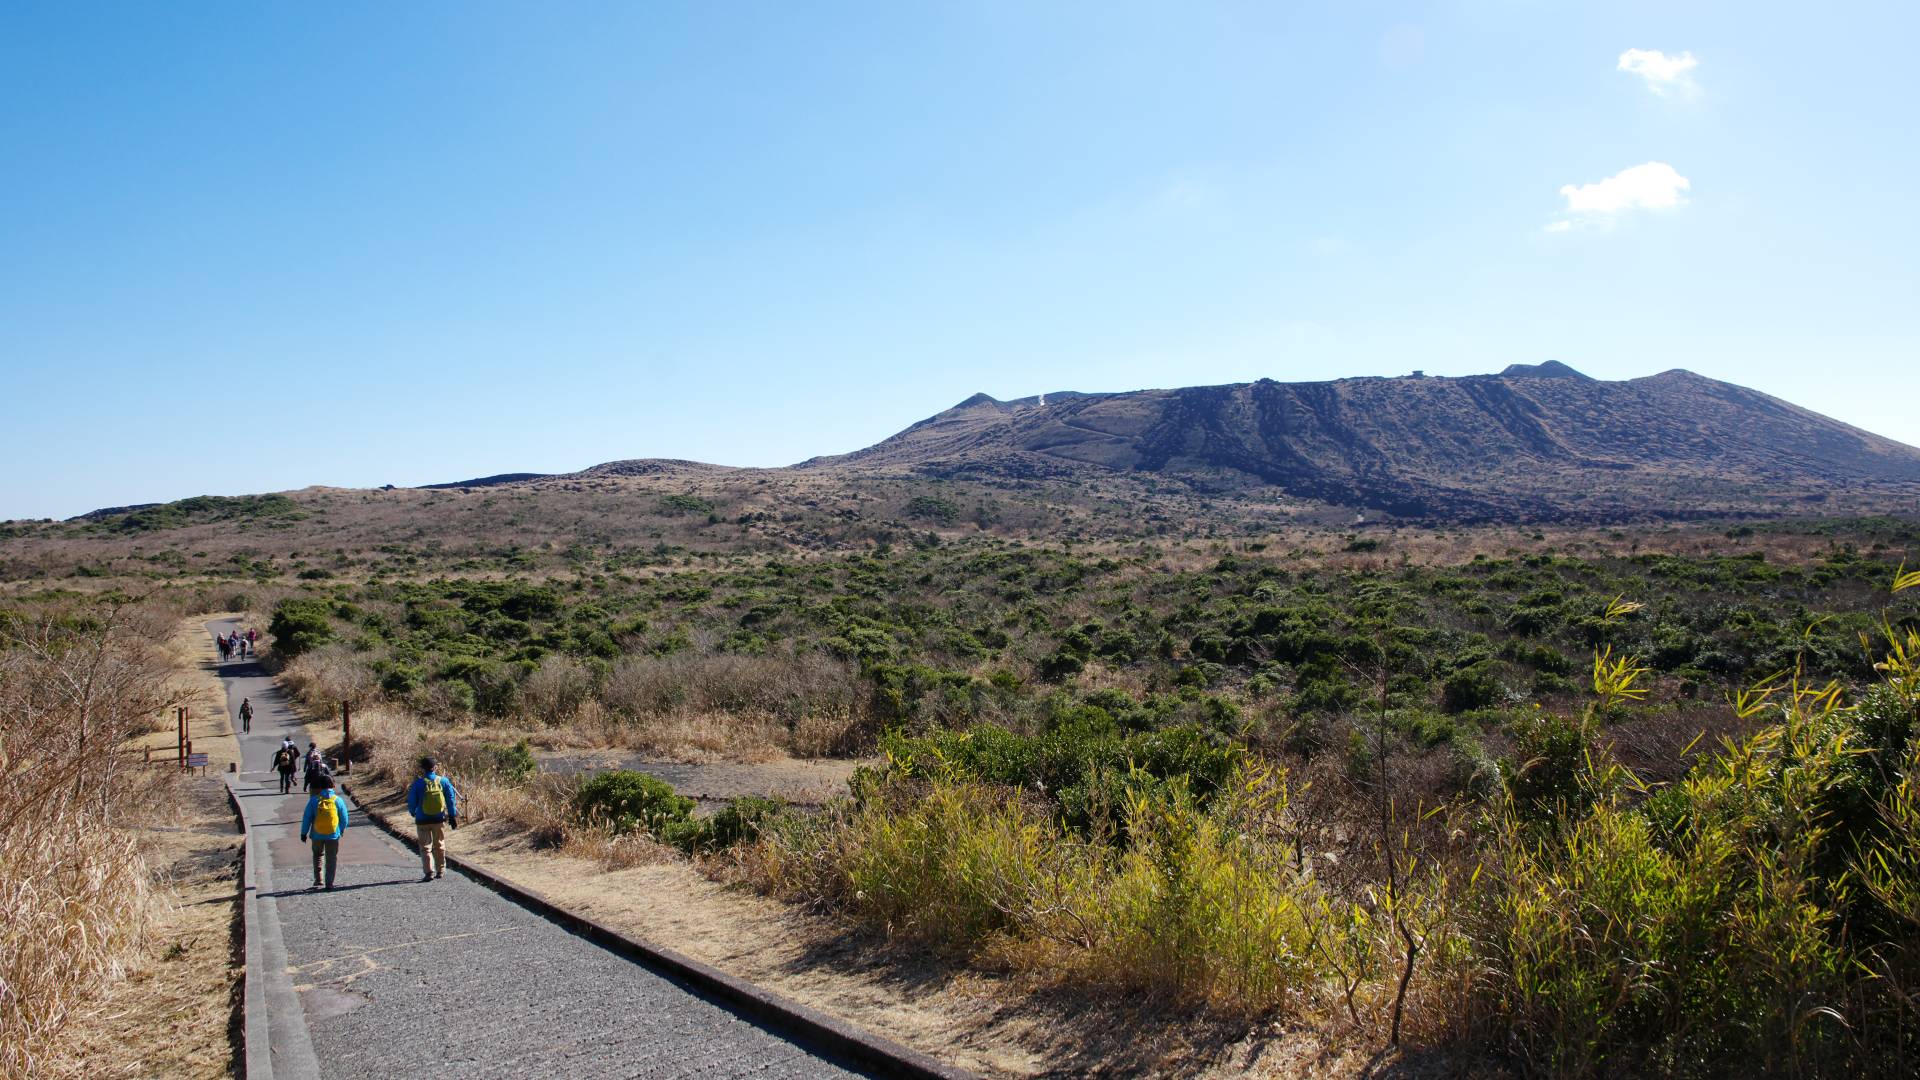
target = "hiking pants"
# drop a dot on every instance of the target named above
(286, 781)
(433, 845)
(329, 852)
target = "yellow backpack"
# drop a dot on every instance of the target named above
(433, 798)
(326, 819)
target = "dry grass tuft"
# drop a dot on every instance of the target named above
(75, 687)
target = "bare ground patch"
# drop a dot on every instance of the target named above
(802, 781)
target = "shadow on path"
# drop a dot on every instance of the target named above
(346, 888)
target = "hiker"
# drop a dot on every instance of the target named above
(285, 760)
(251, 647)
(310, 772)
(221, 644)
(431, 802)
(246, 715)
(325, 821)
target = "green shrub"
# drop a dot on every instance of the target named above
(514, 764)
(1545, 773)
(933, 508)
(685, 504)
(1205, 905)
(1475, 687)
(1084, 766)
(740, 821)
(300, 624)
(623, 801)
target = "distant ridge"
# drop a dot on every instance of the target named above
(1551, 369)
(489, 481)
(1535, 442)
(112, 511)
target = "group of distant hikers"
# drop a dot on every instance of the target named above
(236, 646)
(431, 799)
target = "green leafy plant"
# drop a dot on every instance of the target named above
(623, 801)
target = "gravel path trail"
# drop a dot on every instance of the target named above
(387, 975)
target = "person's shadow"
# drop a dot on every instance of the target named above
(343, 888)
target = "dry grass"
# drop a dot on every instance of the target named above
(190, 649)
(76, 685)
(170, 1012)
(727, 709)
(78, 905)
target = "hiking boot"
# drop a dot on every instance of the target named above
(313, 886)
(426, 877)
(439, 873)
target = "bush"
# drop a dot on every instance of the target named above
(623, 801)
(514, 764)
(1545, 772)
(555, 690)
(76, 897)
(685, 504)
(1693, 934)
(299, 625)
(1206, 905)
(933, 508)
(1475, 687)
(1085, 767)
(740, 821)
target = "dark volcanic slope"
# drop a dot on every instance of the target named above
(1535, 442)
(488, 481)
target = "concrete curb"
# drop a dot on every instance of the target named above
(878, 1055)
(291, 1057)
(253, 991)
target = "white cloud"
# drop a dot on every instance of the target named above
(1653, 186)
(1663, 74)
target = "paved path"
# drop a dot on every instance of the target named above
(388, 975)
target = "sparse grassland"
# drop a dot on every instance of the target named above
(1471, 793)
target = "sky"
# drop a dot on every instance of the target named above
(254, 246)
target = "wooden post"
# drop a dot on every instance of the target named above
(346, 737)
(180, 735)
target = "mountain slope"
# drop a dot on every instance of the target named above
(1536, 442)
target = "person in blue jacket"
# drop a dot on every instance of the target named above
(325, 821)
(431, 801)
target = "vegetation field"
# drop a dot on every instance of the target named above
(1593, 802)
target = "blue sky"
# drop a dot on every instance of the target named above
(253, 246)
